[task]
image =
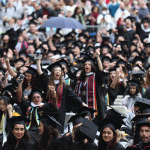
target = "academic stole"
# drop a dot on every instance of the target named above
(107, 99)
(91, 84)
(29, 115)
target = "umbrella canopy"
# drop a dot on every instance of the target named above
(60, 23)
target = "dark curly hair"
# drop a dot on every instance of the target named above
(103, 145)
(11, 140)
(48, 134)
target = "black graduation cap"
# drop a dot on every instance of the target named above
(89, 58)
(32, 22)
(106, 58)
(89, 49)
(7, 98)
(135, 51)
(111, 123)
(20, 60)
(88, 128)
(77, 119)
(54, 65)
(138, 75)
(137, 59)
(69, 35)
(31, 70)
(87, 110)
(120, 53)
(123, 43)
(143, 104)
(64, 62)
(49, 118)
(145, 19)
(73, 33)
(121, 61)
(23, 53)
(131, 18)
(77, 45)
(105, 38)
(114, 113)
(35, 90)
(141, 120)
(134, 82)
(83, 35)
(105, 46)
(9, 89)
(18, 120)
(114, 59)
(112, 69)
(139, 67)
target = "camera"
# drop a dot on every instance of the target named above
(21, 77)
(38, 55)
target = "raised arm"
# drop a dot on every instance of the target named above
(99, 62)
(10, 70)
(19, 93)
(50, 43)
(39, 69)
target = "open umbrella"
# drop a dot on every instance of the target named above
(60, 23)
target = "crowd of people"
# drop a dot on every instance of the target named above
(48, 73)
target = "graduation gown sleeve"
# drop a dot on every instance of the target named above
(73, 102)
(118, 146)
(112, 95)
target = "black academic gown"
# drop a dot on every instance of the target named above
(66, 143)
(70, 102)
(49, 147)
(118, 146)
(24, 146)
(128, 35)
(141, 32)
(26, 108)
(140, 146)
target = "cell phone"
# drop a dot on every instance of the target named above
(21, 77)
(38, 56)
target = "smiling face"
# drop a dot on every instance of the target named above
(57, 73)
(107, 135)
(18, 131)
(87, 67)
(36, 99)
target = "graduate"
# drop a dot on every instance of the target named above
(89, 84)
(59, 94)
(18, 137)
(84, 133)
(48, 133)
(108, 136)
(33, 109)
(143, 128)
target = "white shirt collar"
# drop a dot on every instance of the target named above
(33, 105)
(90, 73)
(56, 81)
(128, 29)
(146, 30)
